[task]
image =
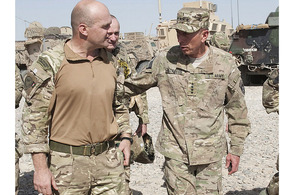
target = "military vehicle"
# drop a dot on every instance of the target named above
(256, 48)
(219, 30)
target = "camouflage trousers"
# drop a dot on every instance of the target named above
(127, 180)
(193, 180)
(127, 173)
(273, 187)
(17, 171)
(18, 155)
(77, 174)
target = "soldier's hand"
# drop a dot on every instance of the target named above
(43, 180)
(125, 148)
(232, 163)
(141, 130)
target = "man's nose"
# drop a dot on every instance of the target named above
(180, 38)
(112, 37)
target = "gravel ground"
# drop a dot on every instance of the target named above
(257, 165)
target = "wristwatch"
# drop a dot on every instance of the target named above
(128, 138)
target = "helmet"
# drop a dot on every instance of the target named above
(142, 149)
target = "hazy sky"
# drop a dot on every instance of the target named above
(135, 15)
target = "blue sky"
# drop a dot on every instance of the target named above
(135, 15)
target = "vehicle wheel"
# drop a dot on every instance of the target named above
(238, 60)
(245, 77)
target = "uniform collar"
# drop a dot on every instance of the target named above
(206, 66)
(72, 56)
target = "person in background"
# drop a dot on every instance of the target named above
(270, 100)
(138, 103)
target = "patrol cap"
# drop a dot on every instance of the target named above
(191, 19)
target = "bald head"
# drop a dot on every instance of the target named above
(90, 22)
(87, 12)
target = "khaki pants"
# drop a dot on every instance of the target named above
(193, 180)
(77, 174)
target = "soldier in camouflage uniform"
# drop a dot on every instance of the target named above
(198, 84)
(126, 62)
(270, 100)
(18, 153)
(71, 93)
(21, 61)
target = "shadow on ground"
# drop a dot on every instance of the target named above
(135, 192)
(254, 191)
(26, 184)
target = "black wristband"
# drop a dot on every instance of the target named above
(128, 138)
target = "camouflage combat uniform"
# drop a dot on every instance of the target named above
(21, 59)
(73, 171)
(270, 100)
(18, 153)
(194, 101)
(138, 103)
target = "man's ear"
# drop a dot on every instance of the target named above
(83, 29)
(205, 34)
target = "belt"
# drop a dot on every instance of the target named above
(86, 150)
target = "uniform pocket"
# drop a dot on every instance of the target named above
(61, 166)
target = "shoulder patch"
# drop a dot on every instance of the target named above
(44, 63)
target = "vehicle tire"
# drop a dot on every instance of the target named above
(245, 77)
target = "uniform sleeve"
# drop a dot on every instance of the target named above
(236, 109)
(149, 77)
(39, 87)
(120, 109)
(140, 107)
(122, 117)
(18, 87)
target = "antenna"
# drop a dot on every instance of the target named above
(150, 30)
(238, 12)
(231, 13)
(159, 11)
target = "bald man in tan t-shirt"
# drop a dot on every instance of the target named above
(71, 97)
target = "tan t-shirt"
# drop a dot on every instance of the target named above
(83, 112)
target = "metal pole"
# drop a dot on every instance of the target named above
(159, 11)
(231, 13)
(238, 11)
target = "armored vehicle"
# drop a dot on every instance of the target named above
(256, 48)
